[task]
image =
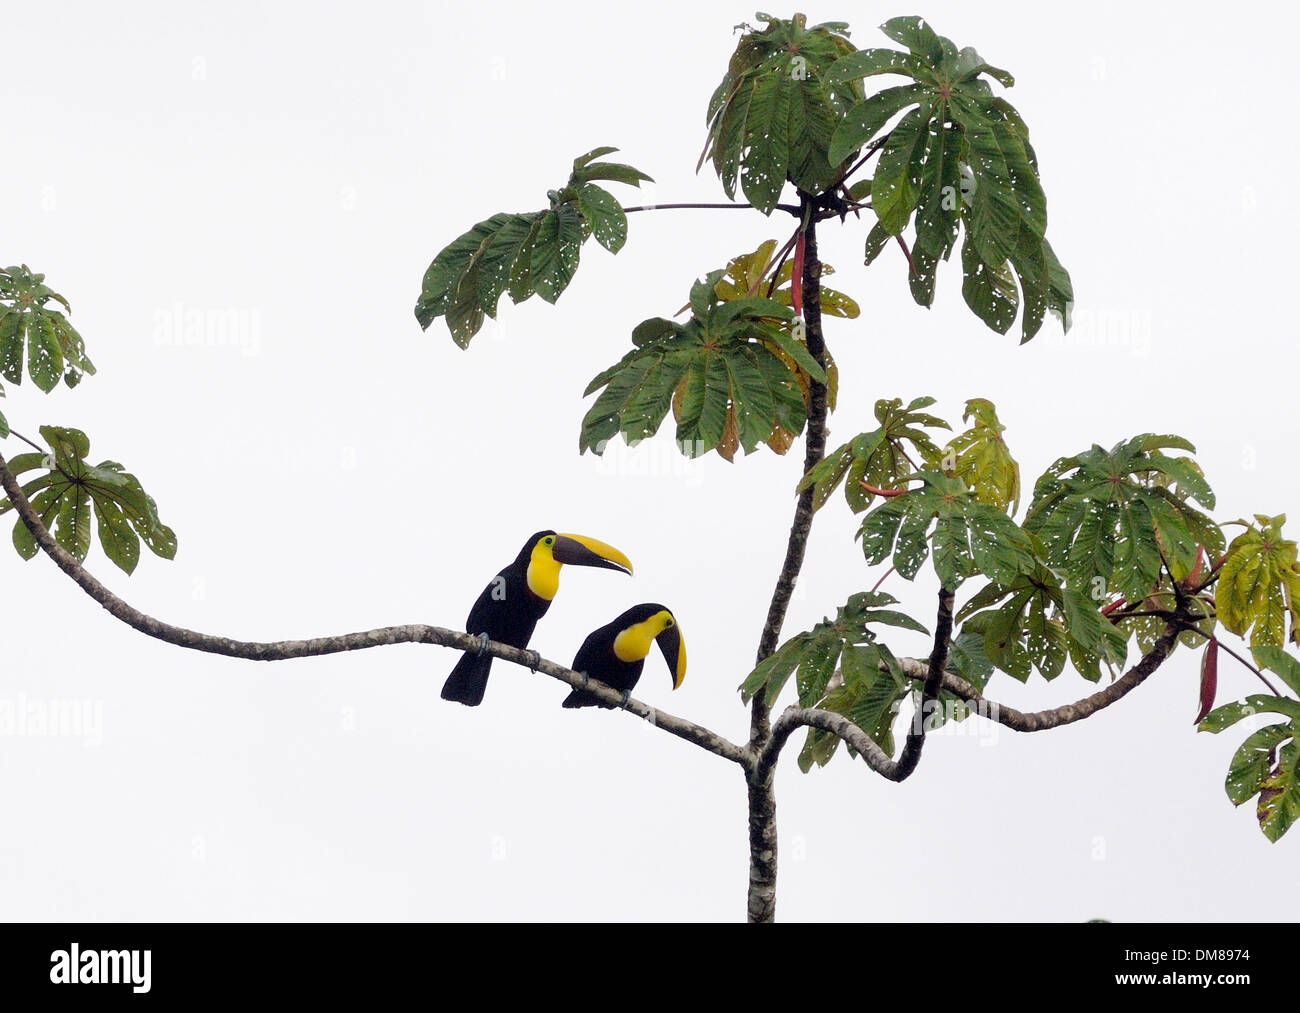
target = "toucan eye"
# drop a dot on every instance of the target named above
(668, 623)
(550, 541)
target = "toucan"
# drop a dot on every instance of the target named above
(615, 654)
(509, 607)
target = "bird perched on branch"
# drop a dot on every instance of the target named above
(510, 606)
(615, 654)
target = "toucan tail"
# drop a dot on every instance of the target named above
(468, 680)
(579, 698)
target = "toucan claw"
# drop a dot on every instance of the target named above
(483, 639)
(534, 661)
(627, 698)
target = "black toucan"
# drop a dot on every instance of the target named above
(615, 654)
(509, 607)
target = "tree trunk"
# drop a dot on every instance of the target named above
(762, 796)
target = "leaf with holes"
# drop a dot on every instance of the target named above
(969, 537)
(1107, 518)
(847, 640)
(1259, 586)
(71, 489)
(31, 328)
(772, 116)
(535, 253)
(733, 377)
(957, 159)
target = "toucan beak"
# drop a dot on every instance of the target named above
(579, 550)
(674, 652)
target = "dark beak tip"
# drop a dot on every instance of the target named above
(574, 553)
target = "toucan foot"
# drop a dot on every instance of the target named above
(483, 639)
(534, 661)
(627, 698)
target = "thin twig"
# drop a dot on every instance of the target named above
(35, 446)
(788, 208)
(1192, 628)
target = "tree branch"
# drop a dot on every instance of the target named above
(915, 668)
(282, 650)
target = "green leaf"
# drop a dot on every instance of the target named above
(1279, 796)
(1252, 764)
(895, 188)
(1229, 714)
(917, 36)
(865, 120)
(604, 215)
(1278, 661)
(585, 169)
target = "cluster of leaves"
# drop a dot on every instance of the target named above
(1268, 763)
(880, 459)
(32, 329)
(1109, 518)
(525, 254)
(71, 488)
(958, 160)
(842, 667)
(772, 116)
(735, 375)
(1039, 623)
(1105, 525)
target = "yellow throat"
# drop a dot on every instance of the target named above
(543, 570)
(633, 644)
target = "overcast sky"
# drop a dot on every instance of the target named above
(279, 177)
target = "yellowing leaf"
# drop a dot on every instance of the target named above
(980, 458)
(1259, 585)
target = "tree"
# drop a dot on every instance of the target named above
(1115, 550)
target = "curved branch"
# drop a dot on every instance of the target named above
(915, 668)
(1038, 721)
(877, 759)
(282, 650)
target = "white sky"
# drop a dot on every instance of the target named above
(337, 469)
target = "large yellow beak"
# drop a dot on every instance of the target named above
(674, 651)
(579, 550)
